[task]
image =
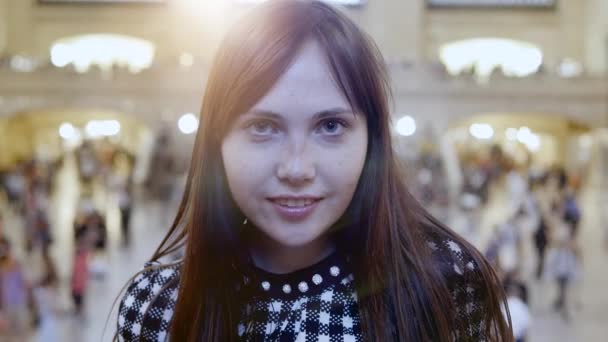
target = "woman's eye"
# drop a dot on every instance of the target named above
(262, 128)
(332, 127)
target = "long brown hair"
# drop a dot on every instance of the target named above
(401, 284)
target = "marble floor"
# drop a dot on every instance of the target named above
(588, 322)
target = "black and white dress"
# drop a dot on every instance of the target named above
(318, 303)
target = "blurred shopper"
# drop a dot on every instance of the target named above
(85, 241)
(14, 183)
(14, 296)
(44, 239)
(504, 247)
(517, 187)
(90, 222)
(563, 266)
(161, 177)
(88, 166)
(46, 294)
(125, 203)
(572, 212)
(30, 209)
(2, 236)
(540, 245)
(520, 313)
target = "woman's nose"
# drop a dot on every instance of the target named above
(296, 165)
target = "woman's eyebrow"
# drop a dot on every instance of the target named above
(265, 113)
(327, 113)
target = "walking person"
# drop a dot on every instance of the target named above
(85, 241)
(540, 244)
(563, 266)
(14, 296)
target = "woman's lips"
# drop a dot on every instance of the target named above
(294, 208)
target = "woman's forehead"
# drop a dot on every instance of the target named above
(307, 86)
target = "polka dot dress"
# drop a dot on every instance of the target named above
(317, 303)
(314, 304)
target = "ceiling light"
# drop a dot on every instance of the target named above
(187, 123)
(406, 126)
(481, 131)
(484, 55)
(104, 51)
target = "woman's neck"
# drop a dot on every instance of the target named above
(279, 259)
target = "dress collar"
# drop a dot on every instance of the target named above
(311, 280)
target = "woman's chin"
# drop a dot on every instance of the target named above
(295, 241)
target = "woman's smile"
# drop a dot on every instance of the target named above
(294, 208)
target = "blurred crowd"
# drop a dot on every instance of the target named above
(29, 281)
(535, 241)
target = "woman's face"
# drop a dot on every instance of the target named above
(294, 159)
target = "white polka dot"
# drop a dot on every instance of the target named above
(349, 338)
(144, 307)
(334, 270)
(156, 288)
(275, 306)
(301, 337)
(296, 305)
(327, 296)
(457, 269)
(167, 314)
(136, 328)
(143, 284)
(303, 287)
(317, 279)
(324, 317)
(266, 285)
(167, 273)
(347, 322)
(286, 288)
(129, 301)
(454, 246)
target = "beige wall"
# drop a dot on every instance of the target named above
(395, 25)
(558, 33)
(3, 25)
(34, 27)
(404, 30)
(596, 33)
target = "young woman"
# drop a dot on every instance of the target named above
(296, 224)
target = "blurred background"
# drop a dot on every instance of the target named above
(500, 115)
